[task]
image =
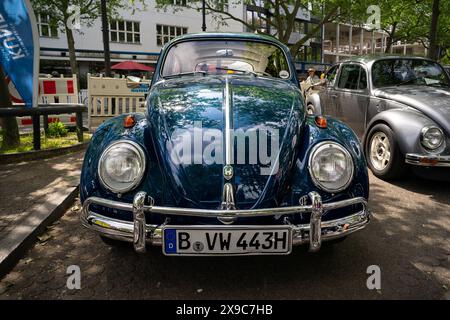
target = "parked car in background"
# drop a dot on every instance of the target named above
(225, 160)
(399, 107)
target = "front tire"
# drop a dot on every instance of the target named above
(383, 154)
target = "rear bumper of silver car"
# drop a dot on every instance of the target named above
(141, 233)
(427, 160)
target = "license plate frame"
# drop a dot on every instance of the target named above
(235, 229)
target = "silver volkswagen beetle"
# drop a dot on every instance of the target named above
(398, 106)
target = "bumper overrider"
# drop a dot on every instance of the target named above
(140, 233)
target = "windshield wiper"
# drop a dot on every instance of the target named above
(238, 70)
(192, 73)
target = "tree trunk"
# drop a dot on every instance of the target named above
(105, 30)
(72, 54)
(433, 51)
(391, 38)
(10, 132)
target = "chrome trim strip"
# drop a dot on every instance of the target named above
(418, 160)
(193, 212)
(228, 123)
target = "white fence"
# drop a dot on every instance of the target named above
(109, 97)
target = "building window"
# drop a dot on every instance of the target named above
(46, 29)
(222, 5)
(181, 3)
(125, 31)
(257, 18)
(165, 34)
(299, 26)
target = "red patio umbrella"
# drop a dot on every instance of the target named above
(131, 65)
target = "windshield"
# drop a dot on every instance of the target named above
(391, 72)
(226, 57)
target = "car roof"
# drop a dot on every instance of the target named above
(228, 35)
(368, 59)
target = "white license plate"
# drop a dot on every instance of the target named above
(227, 240)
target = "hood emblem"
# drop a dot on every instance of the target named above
(228, 172)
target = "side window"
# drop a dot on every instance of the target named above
(331, 75)
(362, 79)
(349, 77)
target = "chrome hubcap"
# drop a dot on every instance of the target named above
(380, 151)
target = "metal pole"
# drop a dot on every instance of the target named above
(36, 131)
(105, 30)
(204, 16)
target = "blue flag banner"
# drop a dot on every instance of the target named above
(19, 48)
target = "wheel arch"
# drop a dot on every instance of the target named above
(406, 125)
(314, 99)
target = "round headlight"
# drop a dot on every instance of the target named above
(431, 138)
(330, 166)
(121, 166)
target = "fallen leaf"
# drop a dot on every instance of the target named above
(444, 287)
(44, 238)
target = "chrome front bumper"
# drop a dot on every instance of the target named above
(427, 160)
(141, 233)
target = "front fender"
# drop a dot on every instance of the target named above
(406, 124)
(302, 183)
(110, 131)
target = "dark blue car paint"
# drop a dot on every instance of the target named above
(177, 103)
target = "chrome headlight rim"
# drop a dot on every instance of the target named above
(338, 146)
(140, 152)
(439, 148)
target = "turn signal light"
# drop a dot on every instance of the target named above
(321, 122)
(129, 121)
(429, 161)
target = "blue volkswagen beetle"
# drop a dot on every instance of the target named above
(225, 160)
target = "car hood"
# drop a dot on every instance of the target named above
(187, 117)
(434, 102)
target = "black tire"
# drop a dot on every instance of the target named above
(396, 166)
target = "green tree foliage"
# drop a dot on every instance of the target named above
(61, 15)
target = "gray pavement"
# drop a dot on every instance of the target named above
(408, 240)
(25, 185)
(33, 194)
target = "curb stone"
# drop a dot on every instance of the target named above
(23, 233)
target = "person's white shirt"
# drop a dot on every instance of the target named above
(312, 80)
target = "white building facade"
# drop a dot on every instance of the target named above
(137, 36)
